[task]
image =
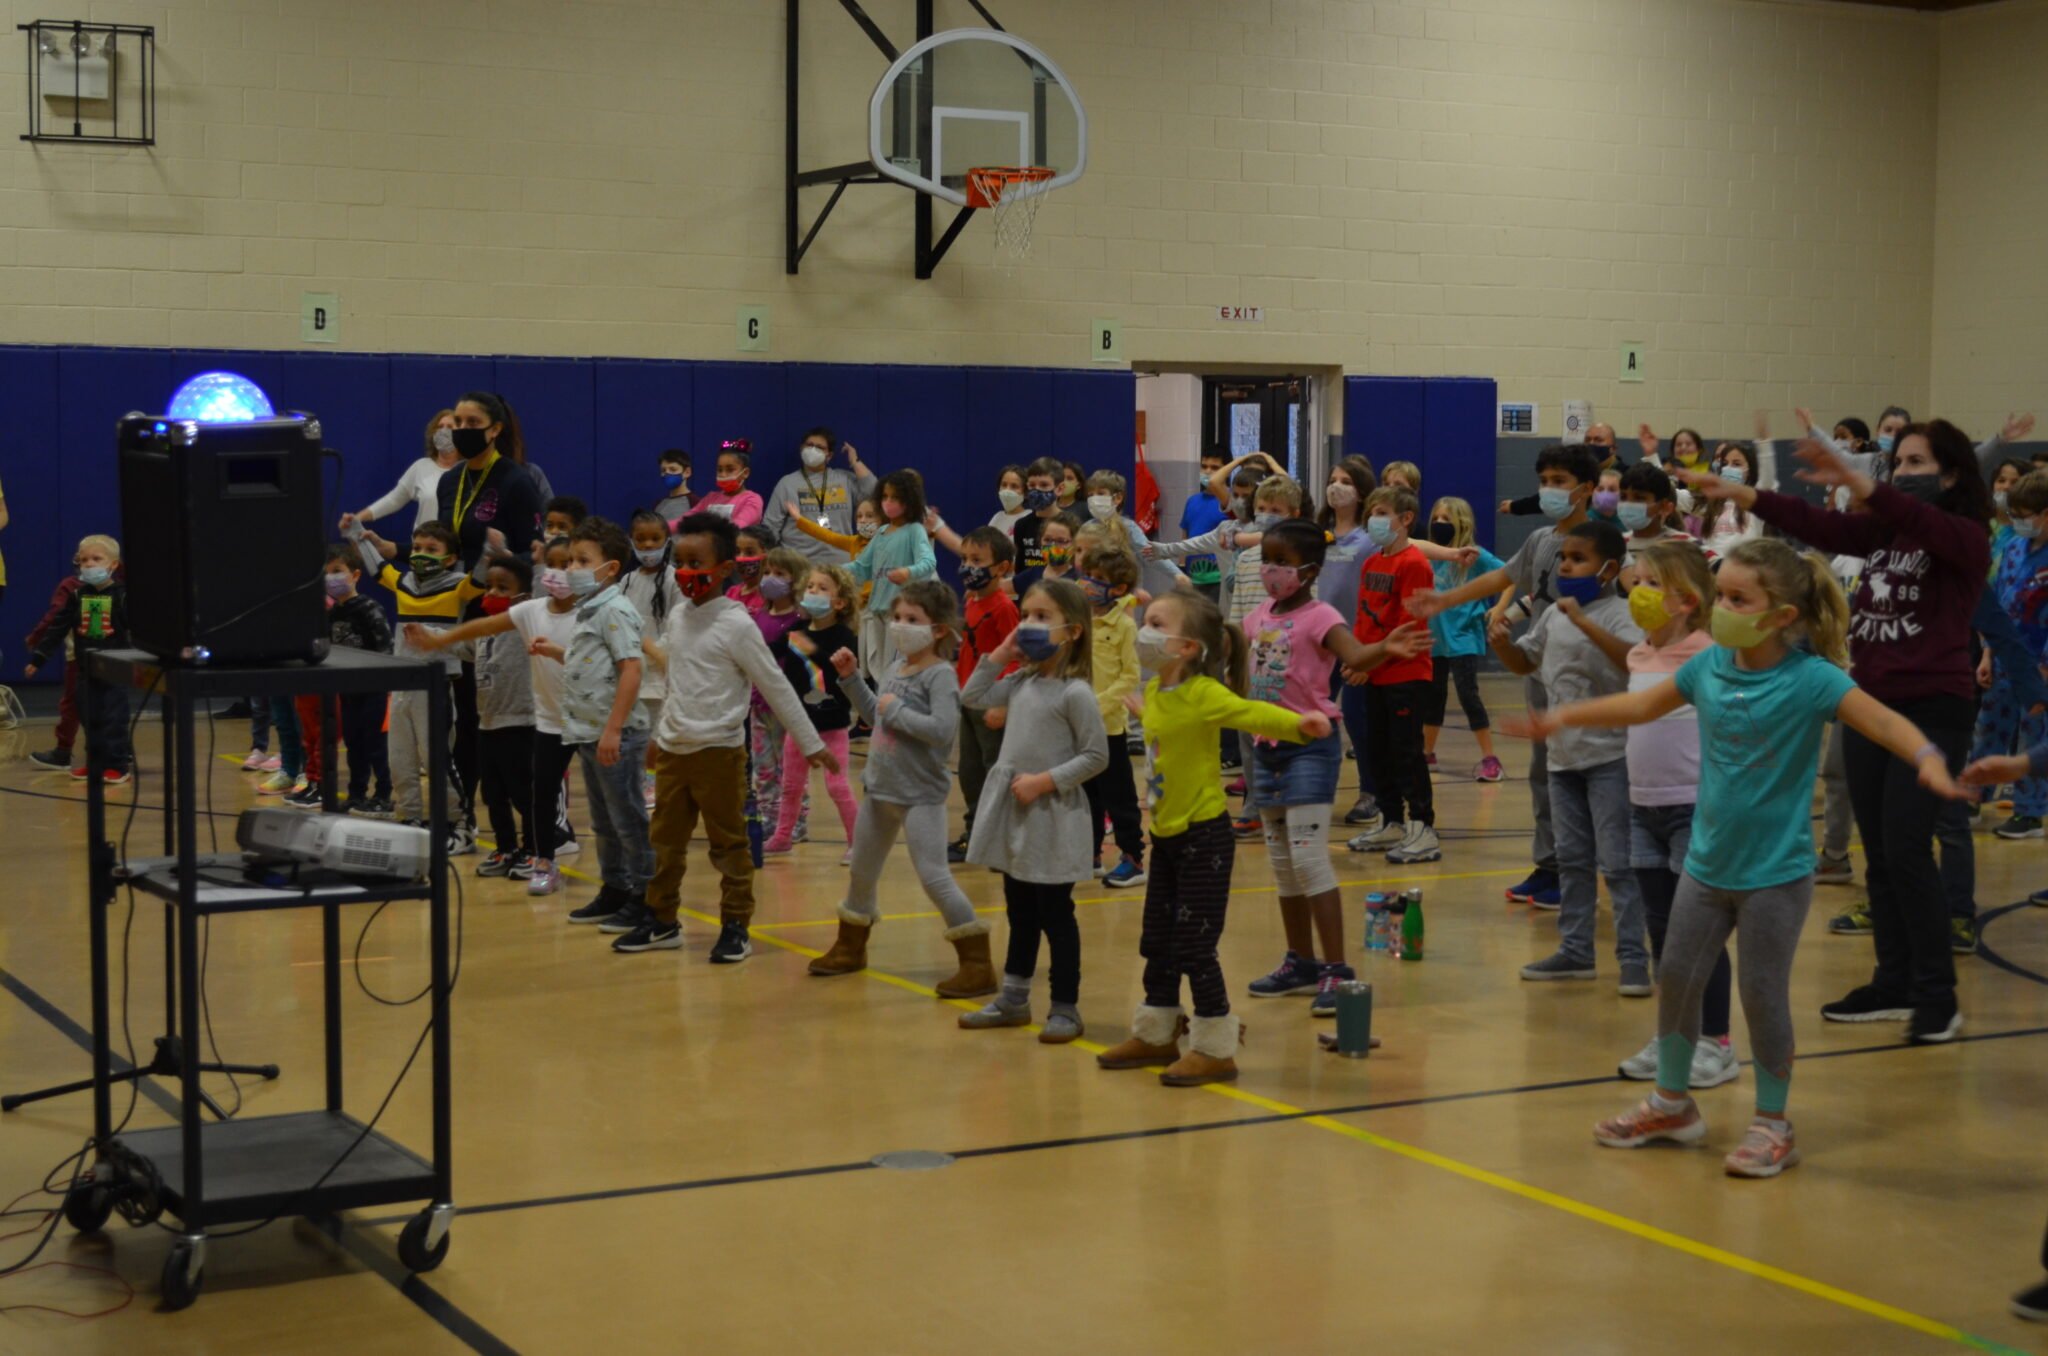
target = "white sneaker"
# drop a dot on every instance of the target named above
(1387, 836)
(1418, 845)
(568, 849)
(461, 842)
(271, 764)
(1714, 1064)
(1641, 1066)
(254, 762)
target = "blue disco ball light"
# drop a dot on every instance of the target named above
(220, 398)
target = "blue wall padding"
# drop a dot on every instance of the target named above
(1442, 424)
(594, 425)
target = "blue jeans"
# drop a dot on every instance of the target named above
(1351, 701)
(291, 750)
(1295, 774)
(618, 813)
(1589, 812)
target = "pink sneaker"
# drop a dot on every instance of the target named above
(254, 762)
(274, 763)
(1765, 1151)
(1647, 1124)
(776, 845)
(545, 880)
(1235, 788)
(1489, 770)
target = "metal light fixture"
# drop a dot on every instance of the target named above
(86, 66)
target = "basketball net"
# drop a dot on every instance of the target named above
(1012, 193)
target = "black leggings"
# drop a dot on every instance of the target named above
(1114, 791)
(464, 761)
(1909, 913)
(1394, 744)
(508, 787)
(1659, 885)
(362, 730)
(551, 758)
(1186, 893)
(1044, 910)
(1463, 669)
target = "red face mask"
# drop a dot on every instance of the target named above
(697, 585)
(730, 486)
(494, 603)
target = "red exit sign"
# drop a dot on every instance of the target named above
(1254, 315)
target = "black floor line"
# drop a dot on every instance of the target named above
(1991, 957)
(114, 808)
(429, 1301)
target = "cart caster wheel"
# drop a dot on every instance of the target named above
(87, 1206)
(184, 1272)
(412, 1243)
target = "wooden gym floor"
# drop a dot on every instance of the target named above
(653, 1154)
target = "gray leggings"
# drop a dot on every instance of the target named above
(924, 832)
(1768, 923)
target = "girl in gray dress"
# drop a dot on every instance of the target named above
(1032, 823)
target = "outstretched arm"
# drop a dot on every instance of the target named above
(1621, 709)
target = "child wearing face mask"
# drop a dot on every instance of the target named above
(732, 500)
(1579, 650)
(651, 587)
(986, 559)
(1072, 478)
(1397, 694)
(899, 553)
(1459, 636)
(1010, 493)
(782, 578)
(355, 622)
(827, 610)
(93, 615)
(754, 545)
(1108, 574)
(1671, 600)
(673, 470)
(1106, 506)
(602, 720)
(1762, 705)
(1296, 642)
(713, 654)
(914, 717)
(1199, 665)
(505, 722)
(1606, 502)
(1724, 523)
(1041, 505)
(2020, 582)
(431, 596)
(1032, 824)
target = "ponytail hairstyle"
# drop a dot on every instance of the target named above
(1223, 656)
(936, 601)
(1806, 583)
(1681, 566)
(511, 444)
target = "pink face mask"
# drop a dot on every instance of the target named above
(1282, 581)
(555, 583)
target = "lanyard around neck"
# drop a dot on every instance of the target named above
(463, 506)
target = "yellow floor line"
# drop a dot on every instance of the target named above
(1691, 1247)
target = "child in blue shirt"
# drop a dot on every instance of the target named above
(899, 553)
(1459, 634)
(2020, 581)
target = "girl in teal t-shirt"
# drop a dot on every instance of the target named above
(1763, 705)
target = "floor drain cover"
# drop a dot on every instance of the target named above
(912, 1160)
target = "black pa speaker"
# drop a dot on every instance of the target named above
(222, 535)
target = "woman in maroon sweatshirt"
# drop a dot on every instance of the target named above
(1927, 544)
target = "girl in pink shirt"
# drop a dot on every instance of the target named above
(732, 499)
(1672, 601)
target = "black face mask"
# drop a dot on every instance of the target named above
(1925, 488)
(471, 442)
(1443, 534)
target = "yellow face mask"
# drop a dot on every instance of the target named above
(1646, 606)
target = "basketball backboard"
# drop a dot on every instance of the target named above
(974, 97)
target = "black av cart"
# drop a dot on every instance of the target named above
(254, 1169)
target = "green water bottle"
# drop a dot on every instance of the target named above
(1411, 928)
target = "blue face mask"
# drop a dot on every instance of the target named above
(1581, 589)
(1097, 591)
(1885, 441)
(650, 558)
(2029, 528)
(976, 576)
(583, 583)
(96, 576)
(815, 604)
(1555, 503)
(1035, 641)
(1633, 517)
(1266, 522)
(1734, 475)
(1381, 529)
(671, 483)
(1036, 501)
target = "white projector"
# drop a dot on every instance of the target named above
(355, 847)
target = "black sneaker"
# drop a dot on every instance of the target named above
(597, 910)
(371, 807)
(631, 915)
(55, 759)
(956, 851)
(2020, 826)
(2032, 1303)
(306, 797)
(497, 864)
(1962, 936)
(1325, 1002)
(1935, 1023)
(733, 945)
(1865, 1004)
(650, 934)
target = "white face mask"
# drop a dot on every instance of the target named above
(814, 457)
(1341, 494)
(910, 638)
(444, 440)
(1100, 506)
(1152, 648)
(1012, 500)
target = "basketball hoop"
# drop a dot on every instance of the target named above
(1012, 192)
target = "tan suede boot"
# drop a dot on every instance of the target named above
(1155, 1037)
(849, 953)
(1211, 1056)
(976, 975)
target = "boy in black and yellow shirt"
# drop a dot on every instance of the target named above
(94, 616)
